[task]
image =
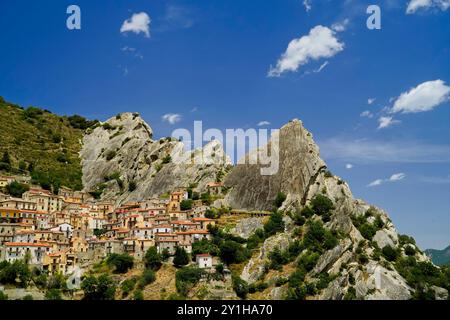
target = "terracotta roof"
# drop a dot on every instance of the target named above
(56, 254)
(202, 219)
(215, 184)
(26, 244)
(193, 232)
(162, 226)
(183, 222)
(203, 255)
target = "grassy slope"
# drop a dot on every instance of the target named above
(32, 138)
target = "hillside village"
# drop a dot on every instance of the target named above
(118, 218)
(59, 232)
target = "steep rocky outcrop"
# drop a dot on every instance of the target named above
(120, 158)
(299, 163)
(355, 266)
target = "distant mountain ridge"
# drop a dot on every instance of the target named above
(439, 257)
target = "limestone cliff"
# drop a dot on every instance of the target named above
(299, 164)
(354, 264)
(120, 158)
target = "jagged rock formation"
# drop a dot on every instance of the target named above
(120, 152)
(352, 263)
(299, 163)
(245, 227)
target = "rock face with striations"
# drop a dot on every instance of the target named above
(121, 158)
(299, 163)
(357, 268)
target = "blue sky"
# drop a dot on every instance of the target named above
(211, 61)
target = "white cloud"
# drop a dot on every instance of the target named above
(364, 151)
(321, 42)
(340, 26)
(171, 118)
(375, 183)
(370, 100)
(394, 178)
(366, 114)
(415, 5)
(263, 123)
(139, 22)
(424, 97)
(386, 122)
(322, 66)
(307, 5)
(128, 49)
(194, 109)
(348, 166)
(397, 177)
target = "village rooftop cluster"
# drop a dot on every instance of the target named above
(60, 232)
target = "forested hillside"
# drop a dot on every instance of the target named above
(39, 143)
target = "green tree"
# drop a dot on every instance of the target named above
(121, 262)
(186, 278)
(233, 252)
(53, 294)
(132, 186)
(16, 189)
(321, 205)
(147, 277)
(367, 230)
(204, 246)
(206, 198)
(3, 296)
(186, 205)
(240, 287)
(101, 288)
(18, 270)
(127, 286)
(390, 253)
(138, 295)
(57, 281)
(275, 224)
(167, 159)
(280, 198)
(277, 259)
(6, 158)
(181, 257)
(22, 166)
(153, 259)
(165, 254)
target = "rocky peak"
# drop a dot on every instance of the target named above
(299, 163)
(356, 262)
(122, 162)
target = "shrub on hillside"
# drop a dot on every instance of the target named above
(280, 198)
(101, 288)
(186, 278)
(275, 224)
(120, 262)
(240, 287)
(16, 189)
(181, 257)
(153, 259)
